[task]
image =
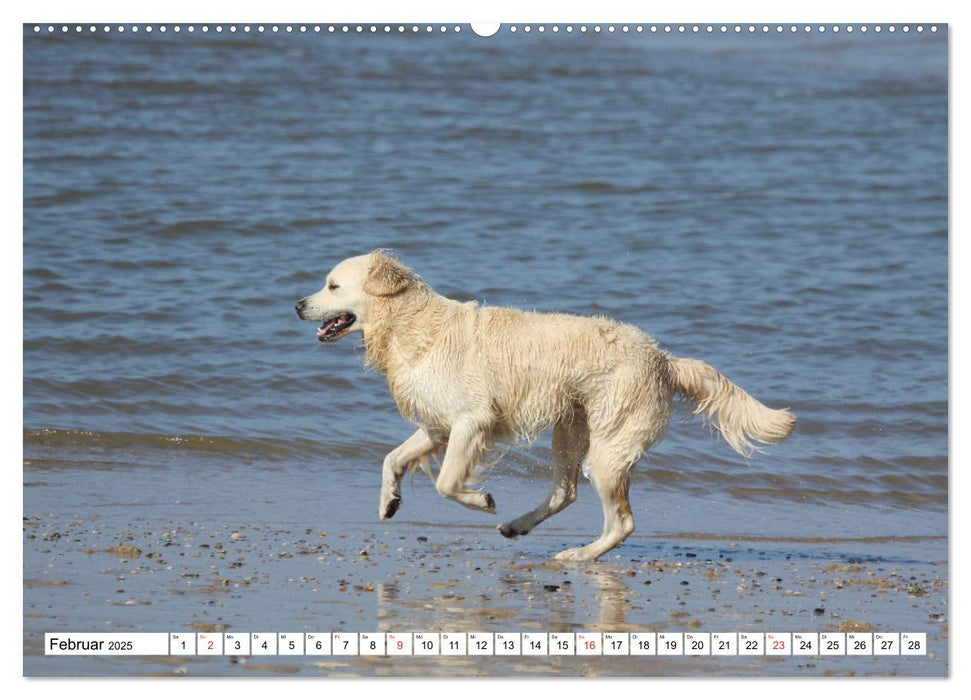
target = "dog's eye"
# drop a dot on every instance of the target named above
(332, 286)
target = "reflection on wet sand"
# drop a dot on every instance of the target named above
(520, 595)
(593, 598)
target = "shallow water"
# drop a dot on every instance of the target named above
(774, 205)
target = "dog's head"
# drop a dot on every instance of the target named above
(351, 287)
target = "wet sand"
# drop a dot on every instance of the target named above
(162, 560)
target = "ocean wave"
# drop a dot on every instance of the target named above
(78, 438)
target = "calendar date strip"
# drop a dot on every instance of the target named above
(817, 644)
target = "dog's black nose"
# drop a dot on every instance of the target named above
(299, 306)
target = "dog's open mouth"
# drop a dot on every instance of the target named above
(334, 328)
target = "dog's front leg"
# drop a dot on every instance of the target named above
(417, 446)
(465, 442)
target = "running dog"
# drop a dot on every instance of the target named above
(468, 375)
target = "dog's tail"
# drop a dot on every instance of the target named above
(736, 415)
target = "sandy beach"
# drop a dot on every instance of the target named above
(177, 565)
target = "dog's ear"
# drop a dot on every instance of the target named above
(387, 277)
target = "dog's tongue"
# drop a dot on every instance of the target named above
(324, 329)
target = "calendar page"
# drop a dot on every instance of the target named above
(525, 349)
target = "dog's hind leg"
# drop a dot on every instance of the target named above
(466, 441)
(612, 455)
(570, 441)
(612, 485)
(418, 446)
(620, 431)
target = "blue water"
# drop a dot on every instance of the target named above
(774, 205)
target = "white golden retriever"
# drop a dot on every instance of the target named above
(468, 375)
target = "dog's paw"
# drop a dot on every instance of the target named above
(490, 503)
(575, 554)
(508, 530)
(388, 509)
